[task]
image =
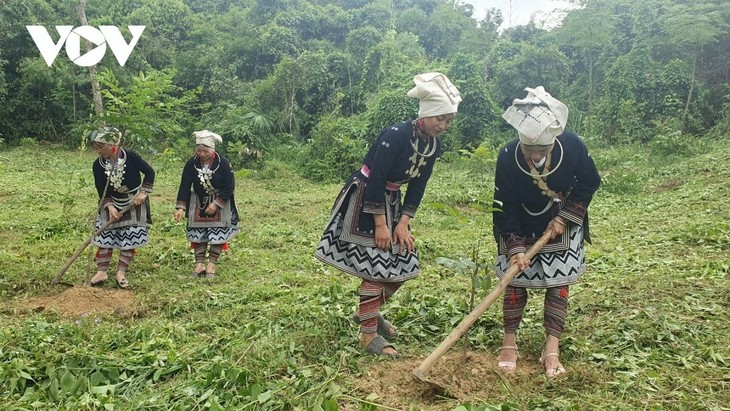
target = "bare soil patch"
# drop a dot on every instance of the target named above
(84, 300)
(469, 378)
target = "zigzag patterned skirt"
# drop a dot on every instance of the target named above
(551, 269)
(344, 247)
(122, 238)
(214, 233)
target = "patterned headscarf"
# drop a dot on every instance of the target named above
(207, 138)
(106, 135)
(539, 118)
(436, 95)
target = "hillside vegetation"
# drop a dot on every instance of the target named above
(649, 324)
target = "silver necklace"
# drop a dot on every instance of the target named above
(115, 172)
(205, 175)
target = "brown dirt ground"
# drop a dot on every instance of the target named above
(84, 300)
(467, 379)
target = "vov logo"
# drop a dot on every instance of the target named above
(101, 37)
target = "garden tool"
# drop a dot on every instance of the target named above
(420, 372)
(83, 246)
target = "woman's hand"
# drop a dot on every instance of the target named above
(113, 213)
(520, 260)
(557, 225)
(382, 235)
(211, 209)
(179, 213)
(139, 198)
(403, 236)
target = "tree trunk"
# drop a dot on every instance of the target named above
(95, 89)
(691, 89)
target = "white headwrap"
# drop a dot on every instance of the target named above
(106, 135)
(436, 95)
(539, 118)
(207, 138)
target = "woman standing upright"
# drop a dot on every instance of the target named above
(118, 183)
(545, 180)
(368, 234)
(206, 194)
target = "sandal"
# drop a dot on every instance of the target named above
(208, 275)
(385, 327)
(100, 282)
(123, 284)
(198, 274)
(552, 372)
(377, 346)
(97, 283)
(508, 366)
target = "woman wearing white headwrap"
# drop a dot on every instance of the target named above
(118, 181)
(367, 235)
(206, 194)
(545, 180)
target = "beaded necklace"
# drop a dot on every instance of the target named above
(418, 159)
(115, 170)
(205, 175)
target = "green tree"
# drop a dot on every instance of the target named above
(692, 28)
(151, 110)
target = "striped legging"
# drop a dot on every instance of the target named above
(555, 309)
(373, 294)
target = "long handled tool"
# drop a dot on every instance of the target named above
(83, 246)
(469, 320)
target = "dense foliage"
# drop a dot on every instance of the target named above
(315, 75)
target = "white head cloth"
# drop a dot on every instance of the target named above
(107, 135)
(207, 138)
(539, 118)
(436, 95)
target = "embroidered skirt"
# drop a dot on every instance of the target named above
(550, 269)
(216, 229)
(128, 233)
(348, 242)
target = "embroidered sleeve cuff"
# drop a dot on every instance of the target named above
(180, 205)
(219, 202)
(373, 208)
(574, 212)
(147, 187)
(409, 210)
(515, 245)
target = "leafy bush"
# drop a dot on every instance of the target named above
(336, 149)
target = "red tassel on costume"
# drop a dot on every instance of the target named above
(114, 150)
(513, 298)
(224, 247)
(564, 292)
(193, 245)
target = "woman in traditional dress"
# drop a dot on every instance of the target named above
(368, 234)
(206, 195)
(119, 183)
(545, 180)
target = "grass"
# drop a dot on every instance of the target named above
(649, 323)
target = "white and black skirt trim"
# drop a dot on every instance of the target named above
(346, 246)
(550, 269)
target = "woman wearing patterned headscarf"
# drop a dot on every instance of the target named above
(206, 196)
(367, 235)
(118, 183)
(545, 180)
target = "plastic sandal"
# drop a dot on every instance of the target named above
(384, 326)
(123, 284)
(198, 274)
(508, 365)
(208, 275)
(552, 372)
(377, 345)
